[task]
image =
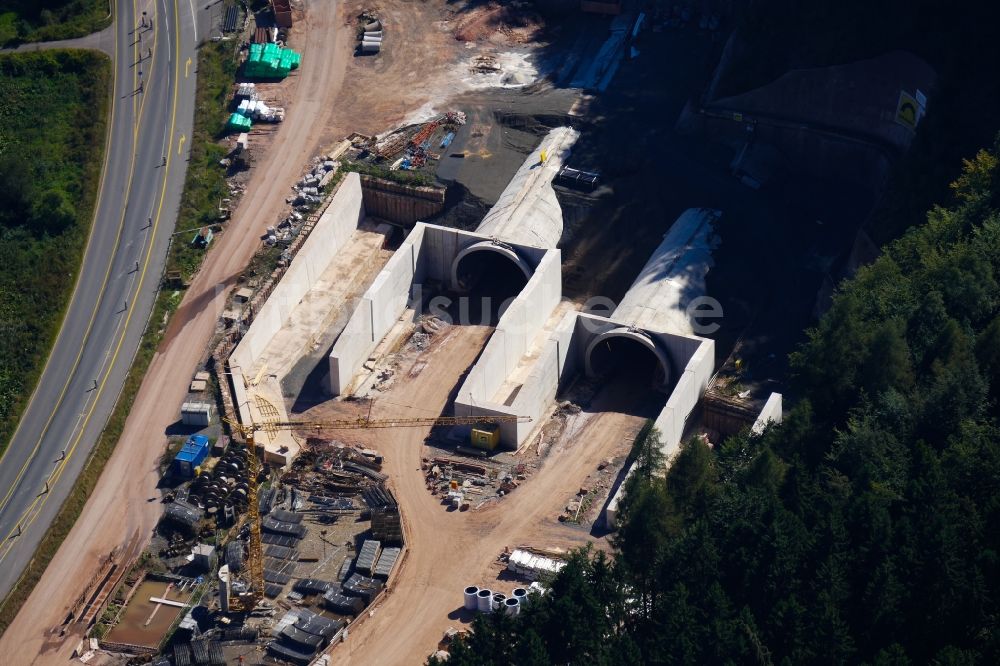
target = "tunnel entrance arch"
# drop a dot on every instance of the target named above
(627, 351)
(490, 275)
(464, 274)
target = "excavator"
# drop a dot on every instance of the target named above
(247, 601)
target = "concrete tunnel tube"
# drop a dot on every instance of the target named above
(662, 373)
(502, 249)
(493, 274)
(467, 275)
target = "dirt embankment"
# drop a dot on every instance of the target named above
(119, 510)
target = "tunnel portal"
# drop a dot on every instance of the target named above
(490, 276)
(626, 354)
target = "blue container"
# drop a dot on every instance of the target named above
(191, 455)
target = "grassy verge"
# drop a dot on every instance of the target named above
(205, 186)
(53, 122)
(400, 176)
(215, 74)
(33, 21)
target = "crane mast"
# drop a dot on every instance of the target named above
(247, 601)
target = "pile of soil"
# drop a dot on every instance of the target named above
(499, 24)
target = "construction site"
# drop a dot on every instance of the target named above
(424, 389)
(450, 371)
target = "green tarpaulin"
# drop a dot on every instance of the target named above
(238, 121)
(270, 61)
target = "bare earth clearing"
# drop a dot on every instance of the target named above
(447, 550)
(335, 93)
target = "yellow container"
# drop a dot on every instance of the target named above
(485, 436)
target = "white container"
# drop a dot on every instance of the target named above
(484, 601)
(471, 603)
(498, 600)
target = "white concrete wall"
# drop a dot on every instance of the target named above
(240, 397)
(691, 384)
(771, 413)
(522, 322)
(563, 345)
(556, 363)
(425, 256)
(332, 231)
(376, 311)
(515, 331)
(611, 510)
(538, 391)
(441, 245)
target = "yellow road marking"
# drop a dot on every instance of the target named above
(180, 144)
(104, 283)
(72, 449)
(90, 238)
(187, 67)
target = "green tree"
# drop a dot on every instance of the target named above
(862, 529)
(888, 364)
(692, 479)
(53, 213)
(988, 358)
(647, 449)
(17, 192)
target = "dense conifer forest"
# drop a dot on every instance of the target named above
(861, 530)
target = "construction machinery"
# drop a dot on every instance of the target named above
(246, 601)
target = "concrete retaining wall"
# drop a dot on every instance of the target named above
(426, 256)
(516, 331)
(332, 231)
(376, 312)
(770, 413)
(401, 204)
(542, 385)
(556, 365)
(691, 384)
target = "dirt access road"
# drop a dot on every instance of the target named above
(447, 550)
(119, 511)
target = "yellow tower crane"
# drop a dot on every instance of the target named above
(255, 559)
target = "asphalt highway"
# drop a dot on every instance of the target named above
(146, 154)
